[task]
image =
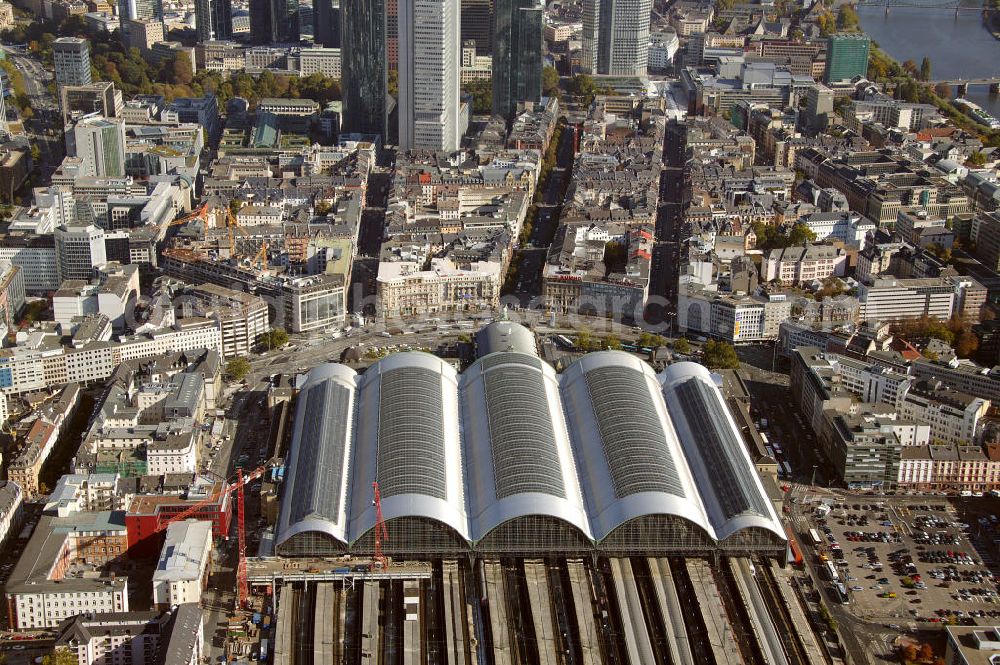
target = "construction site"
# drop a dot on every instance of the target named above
(510, 514)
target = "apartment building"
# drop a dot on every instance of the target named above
(181, 573)
(954, 418)
(802, 265)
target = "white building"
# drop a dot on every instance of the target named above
(176, 454)
(849, 227)
(325, 61)
(953, 417)
(77, 492)
(429, 75)
(11, 509)
(404, 289)
(100, 143)
(182, 571)
(889, 299)
(662, 49)
(80, 251)
(801, 265)
(732, 318)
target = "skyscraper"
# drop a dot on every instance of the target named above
(274, 21)
(71, 56)
(213, 19)
(477, 24)
(362, 49)
(139, 10)
(846, 57)
(326, 23)
(517, 54)
(616, 37)
(429, 72)
(100, 143)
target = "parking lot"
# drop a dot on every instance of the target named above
(905, 561)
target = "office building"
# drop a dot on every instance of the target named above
(429, 71)
(477, 24)
(326, 23)
(213, 19)
(79, 251)
(71, 58)
(819, 108)
(182, 571)
(274, 21)
(175, 637)
(101, 98)
(616, 37)
(139, 10)
(517, 54)
(143, 33)
(100, 143)
(846, 57)
(363, 61)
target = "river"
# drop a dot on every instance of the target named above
(957, 46)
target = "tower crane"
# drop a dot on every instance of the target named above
(234, 484)
(379, 560)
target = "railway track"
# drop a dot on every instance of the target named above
(787, 631)
(739, 618)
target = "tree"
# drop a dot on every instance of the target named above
(719, 355)
(181, 71)
(60, 657)
(926, 652)
(827, 24)
(909, 653)
(910, 68)
(482, 95)
(238, 368)
(550, 82)
(977, 159)
(800, 234)
(612, 342)
(682, 346)
(583, 85)
(925, 69)
(847, 19)
(393, 83)
(942, 90)
(273, 339)
(966, 344)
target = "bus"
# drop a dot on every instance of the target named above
(786, 468)
(770, 452)
(763, 437)
(814, 536)
(831, 571)
(840, 591)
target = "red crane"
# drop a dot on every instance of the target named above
(236, 483)
(379, 559)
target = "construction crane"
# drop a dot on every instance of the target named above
(379, 560)
(261, 257)
(234, 484)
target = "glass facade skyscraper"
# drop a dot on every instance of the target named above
(274, 21)
(846, 57)
(326, 23)
(213, 19)
(517, 54)
(363, 62)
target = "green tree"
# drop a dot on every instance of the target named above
(801, 234)
(682, 346)
(925, 69)
(977, 159)
(550, 82)
(583, 85)
(847, 19)
(827, 24)
(611, 342)
(719, 355)
(393, 83)
(273, 339)
(238, 368)
(60, 657)
(482, 95)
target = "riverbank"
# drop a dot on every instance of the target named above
(991, 19)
